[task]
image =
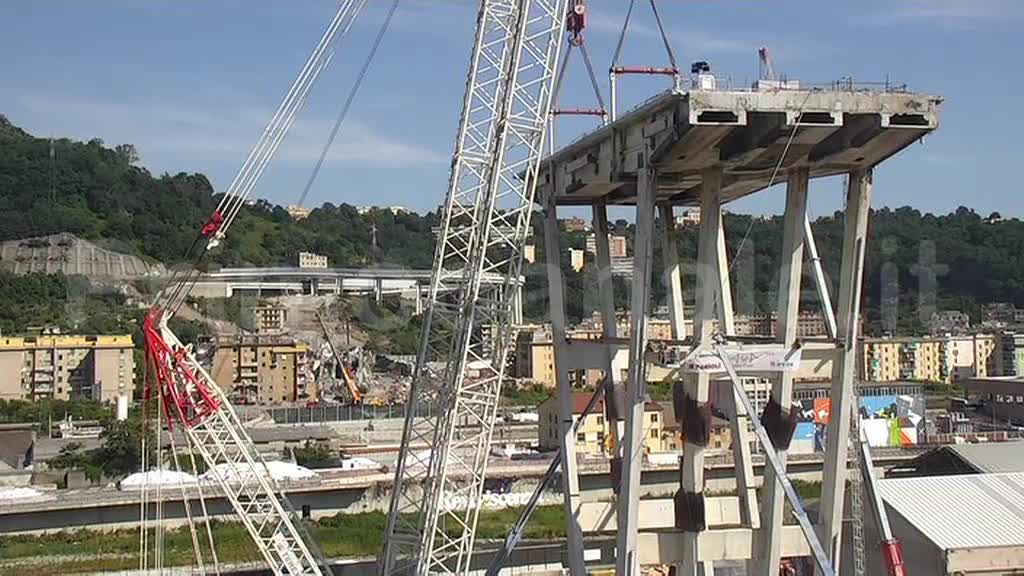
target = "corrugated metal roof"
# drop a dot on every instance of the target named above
(969, 511)
(992, 457)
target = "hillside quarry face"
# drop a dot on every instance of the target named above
(69, 254)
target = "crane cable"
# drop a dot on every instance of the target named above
(343, 113)
(775, 172)
(661, 31)
(664, 37)
(180, 283)
(622, 35)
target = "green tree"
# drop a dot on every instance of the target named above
(121, 452)
(314, 455)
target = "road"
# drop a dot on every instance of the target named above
(336, 492)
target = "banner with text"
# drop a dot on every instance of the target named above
(745, 361)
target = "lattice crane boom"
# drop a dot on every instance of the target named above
(194, 401)
(190, 399)
(468, 326)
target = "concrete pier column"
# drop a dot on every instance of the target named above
(627, 560)
(739, 423)
(858, 204)
(673, 272)
(606, 300)
(696, 385)
(378, 291)
(567, 439)
(788, 310)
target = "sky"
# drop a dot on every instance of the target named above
(191, 84)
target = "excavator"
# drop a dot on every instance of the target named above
(349, 365)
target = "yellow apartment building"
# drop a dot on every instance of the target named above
(891, 359)
(592, 436)
(263, 370)
(66, 367)
(933, 358)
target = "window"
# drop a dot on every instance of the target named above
(600, 420)
(600, 436)
(654, 433)
(581, 437)
(654, 417)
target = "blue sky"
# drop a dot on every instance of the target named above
(192, 83)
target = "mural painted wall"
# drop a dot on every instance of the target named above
(887, 421)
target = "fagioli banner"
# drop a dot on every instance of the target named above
(745, 361)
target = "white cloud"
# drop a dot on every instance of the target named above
(162, 128)
(952, 13)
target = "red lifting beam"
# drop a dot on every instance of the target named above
(652, 70)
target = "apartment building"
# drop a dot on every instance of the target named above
(530, 253)
(891, 359)
(592, 435)
(984, 355)
(298, 212)
(576, 259)
(311, 260)
(535, 355)
(809, 324)
(949, 322)
(935, 358)
(65, 367)
(689, 218)
(1002, 397)
(575, 224)
(263, 370)
(1010, 354)
(616, 245)
(1002, 314)
(971, 356)
(719, 436)
(269, 318)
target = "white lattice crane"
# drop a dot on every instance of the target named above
(192, 404)
(469, 325)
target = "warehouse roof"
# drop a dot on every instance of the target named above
(983, 458)
(955, 512)
(992, 457)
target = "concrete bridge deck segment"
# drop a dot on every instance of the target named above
(747, 133)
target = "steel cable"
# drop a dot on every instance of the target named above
(348, 102)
